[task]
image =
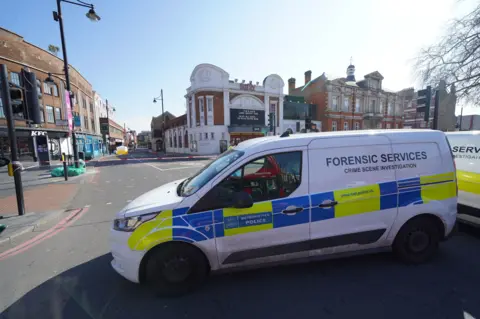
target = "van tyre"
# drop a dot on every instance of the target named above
(176, 269)
(417, 241)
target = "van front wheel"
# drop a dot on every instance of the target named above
(176, 269)
(417, 241)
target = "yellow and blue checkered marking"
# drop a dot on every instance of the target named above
(178, 225)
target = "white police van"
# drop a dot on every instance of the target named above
(466, 150)
(278, 199)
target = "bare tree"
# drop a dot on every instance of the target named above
(455, 59)
(53, 49)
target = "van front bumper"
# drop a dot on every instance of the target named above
(125, 261)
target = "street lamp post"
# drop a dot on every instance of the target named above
(57, 16)
(163, 120)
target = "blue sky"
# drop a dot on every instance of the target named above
(142, 46)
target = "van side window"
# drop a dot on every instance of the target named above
(265, 178)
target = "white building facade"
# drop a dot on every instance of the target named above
(223, 112)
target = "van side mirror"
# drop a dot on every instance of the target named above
(242, 200)
(4, 161)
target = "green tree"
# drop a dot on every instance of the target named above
(53, 49)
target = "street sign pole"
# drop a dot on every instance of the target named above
(7, 106)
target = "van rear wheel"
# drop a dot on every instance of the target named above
(417, 241)
(176, 269)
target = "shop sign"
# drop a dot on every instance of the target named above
(77, 121)
(247, 117)
(39, 133)
(61, 122)
(247, 87)
(257, 129)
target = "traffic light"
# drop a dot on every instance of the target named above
(308, 123)
(423, 102)
(271, 121)
(31, 97)
(16, 97)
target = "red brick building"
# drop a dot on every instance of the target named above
(18, 54)
(344, 104)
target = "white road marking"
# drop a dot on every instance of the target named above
(128, 201)
(109, 203)
(87, 206)
(107, 182)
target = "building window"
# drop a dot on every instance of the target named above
(345, 103)
(84, 103)
(58, 114)
(380, 108)
(42, 115)
(334, 125)
(357, 105)
(388, 125)
(201, 110)
(209, 110)
(47, 89)
(200, 136)
(85, 121)
(372, 106)
(91, 108)
(357, 126)
(335, 103)
(175, 139)
(185, 136)
(345, 126)
(55, 89)
(15, 78)
(50, 115)
(390, 108)
(92, 122)
(223, 135)
(212, 136)
(206, 136)
(39, 88)
(379, 125)
(180, 141)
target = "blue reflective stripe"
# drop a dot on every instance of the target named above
(282, 220)
(199, 219)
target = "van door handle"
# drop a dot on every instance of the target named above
(328, 204)
(292, 210)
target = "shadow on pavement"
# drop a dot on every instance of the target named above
(368, 286)
(133, 161)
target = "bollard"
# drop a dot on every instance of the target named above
(65, 170)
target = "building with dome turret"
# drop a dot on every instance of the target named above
(344, 104)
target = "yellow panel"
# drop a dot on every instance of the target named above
(248, 229)
(142, 238)
(357, 200)
(468, 182)
(437, 178)
(438, 191)
(262, 207)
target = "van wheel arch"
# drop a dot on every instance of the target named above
(143, 264)
(437, 221)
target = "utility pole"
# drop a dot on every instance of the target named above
(163, 125)
(59, 18)
(7, 106)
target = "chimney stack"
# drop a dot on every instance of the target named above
(308, 76)
(291, 85)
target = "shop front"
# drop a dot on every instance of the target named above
(35, 145)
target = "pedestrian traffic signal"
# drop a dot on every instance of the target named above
(31, 97)
(308, 123)
(271, 121)
(16, 98)
(424, 97)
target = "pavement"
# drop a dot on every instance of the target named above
(62, 270)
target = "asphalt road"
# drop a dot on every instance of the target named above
(69, 276)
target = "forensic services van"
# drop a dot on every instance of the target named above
(275, 199)
(466, 150)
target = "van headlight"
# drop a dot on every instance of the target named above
(129, 224)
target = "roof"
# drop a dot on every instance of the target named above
(277, 142)
(321, 77)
